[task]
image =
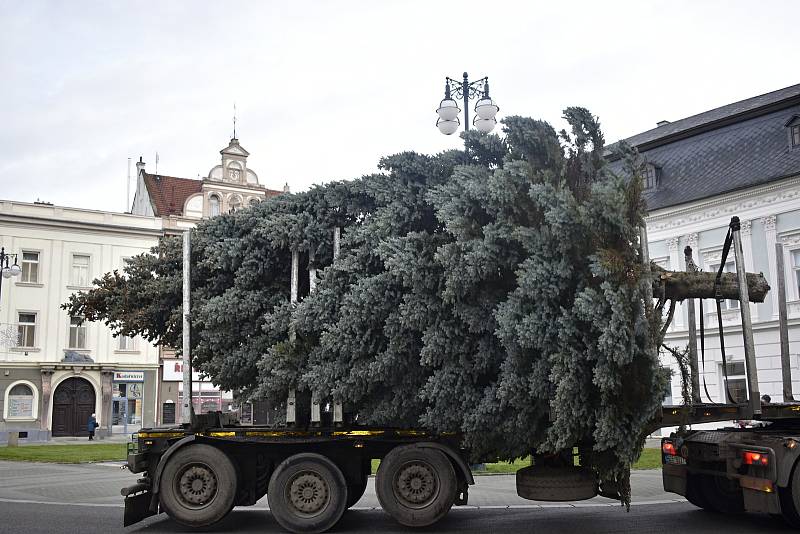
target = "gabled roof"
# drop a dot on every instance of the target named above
(733, 147)
(168, 194)
(715, 118)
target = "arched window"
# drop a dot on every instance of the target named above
(21, 401)
(213, 205)
(253, 201)
(236, 203)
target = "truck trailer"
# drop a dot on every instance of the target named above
(315, 466)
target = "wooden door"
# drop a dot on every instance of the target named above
(73, 404)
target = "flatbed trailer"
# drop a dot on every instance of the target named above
(312, 472)
(310, 476)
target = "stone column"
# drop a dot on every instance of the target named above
(105, 415)
(771, 237)
(746, 233)
(47, 395)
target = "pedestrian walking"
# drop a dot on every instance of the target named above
(90, 426)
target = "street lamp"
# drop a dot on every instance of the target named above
(485, 108)
(7, 271)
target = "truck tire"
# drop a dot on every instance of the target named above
(198, 485)
(790, 499)
(722, 494)
(541, 483)
(307, 493)
(416, 485)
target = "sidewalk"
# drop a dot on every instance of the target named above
(80, 440)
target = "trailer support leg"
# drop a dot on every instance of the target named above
(783, 325)
(754, 397)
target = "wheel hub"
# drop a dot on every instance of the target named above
(197, 485)
(416, 484)
(309, 493)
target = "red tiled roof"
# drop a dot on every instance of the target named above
(168, 193)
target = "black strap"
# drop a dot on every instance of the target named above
(718, 297)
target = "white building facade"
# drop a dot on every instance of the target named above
(740, 160)
(55, 370)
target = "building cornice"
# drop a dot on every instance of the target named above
(751, 203)
(52, 218)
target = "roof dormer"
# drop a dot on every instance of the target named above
(793, 130)
(234, 166)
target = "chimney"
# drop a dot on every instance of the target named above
(139, 166)
(662, 123)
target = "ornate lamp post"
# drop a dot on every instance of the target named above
(485, 108)
(7, 271)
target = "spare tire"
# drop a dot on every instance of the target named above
(541, 483)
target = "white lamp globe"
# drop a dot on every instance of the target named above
(486, 108)
(484, 125)
(15, 270)
(448, 127)
(448, 109)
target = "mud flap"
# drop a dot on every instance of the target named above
(137, 507)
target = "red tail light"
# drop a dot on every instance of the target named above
(755, 458)
(669, 448)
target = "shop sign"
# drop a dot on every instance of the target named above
(128, 376)
(173, 372)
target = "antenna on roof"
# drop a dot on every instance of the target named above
(156, 162)
(128, 189)
(234, 121)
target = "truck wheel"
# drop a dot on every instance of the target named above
(790, 499)
(198, 485)
(416, 485)
(722, 494)
(543, 483)
(307, 493)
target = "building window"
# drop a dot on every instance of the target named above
(794, 134)
(80, 270)
(253, 201)
(21, 401)
(213, 205)
(26, 329)
(236, 203)
(737, 382)
(796, 268)
(728, 304)
(126, 343)
(650, 176)
(77, 333)
(30, 267)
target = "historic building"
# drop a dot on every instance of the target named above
(741, 159)
(179, 203)
(55, 370)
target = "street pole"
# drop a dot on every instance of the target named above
(186, 412)
(465, 90)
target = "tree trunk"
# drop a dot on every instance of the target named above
(680, 286)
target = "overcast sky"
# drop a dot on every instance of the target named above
(324, 89)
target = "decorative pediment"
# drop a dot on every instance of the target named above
(234, 149)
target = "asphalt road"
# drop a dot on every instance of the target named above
(85, 498)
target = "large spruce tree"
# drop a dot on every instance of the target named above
(499, 293)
